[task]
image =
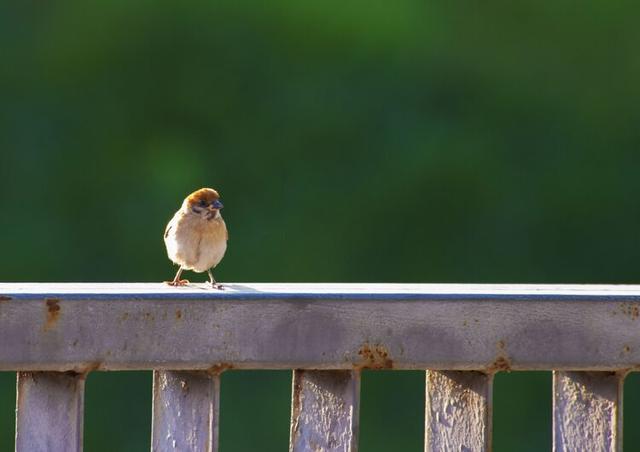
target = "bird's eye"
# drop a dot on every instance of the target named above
(203, 202)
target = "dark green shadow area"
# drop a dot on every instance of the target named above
(392, 411)
(254, 411)
(631, 404)
(522, 411)
(7, 410)
(118, 411)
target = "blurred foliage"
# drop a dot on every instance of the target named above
(351, 141)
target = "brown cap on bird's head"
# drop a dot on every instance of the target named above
(203, 198)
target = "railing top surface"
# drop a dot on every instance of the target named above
(321, 290)
(125, 326)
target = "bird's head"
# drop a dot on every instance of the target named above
(204, 203)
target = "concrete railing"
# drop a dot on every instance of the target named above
(54, 334)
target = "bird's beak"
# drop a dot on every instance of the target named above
(217, 204)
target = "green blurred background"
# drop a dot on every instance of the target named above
(356, 141)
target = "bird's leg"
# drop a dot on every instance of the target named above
(213, 282)
(177, 281)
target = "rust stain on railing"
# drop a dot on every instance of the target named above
(87, 368)
(374, 357)
(218, 368)
(631, 310)
(53, 312)
(296, 396)
(502, 362)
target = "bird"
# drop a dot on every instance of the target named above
(196, 237)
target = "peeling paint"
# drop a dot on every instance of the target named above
(185, 411)
(458, 411)
(587, 411)
(324, 411)
(49, 411)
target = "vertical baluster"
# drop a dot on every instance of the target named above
(185, 411)
(587, 411)
(458, 411)
(49, 414)
(324, 410)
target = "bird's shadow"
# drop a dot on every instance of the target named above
(228, 288)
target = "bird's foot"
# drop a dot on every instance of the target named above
(217, 286)
(177, 282)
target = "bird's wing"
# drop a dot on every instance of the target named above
(169, 227)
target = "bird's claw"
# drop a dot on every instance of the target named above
(177, 282)
(217, 286)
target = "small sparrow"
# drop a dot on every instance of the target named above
(196, 237)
